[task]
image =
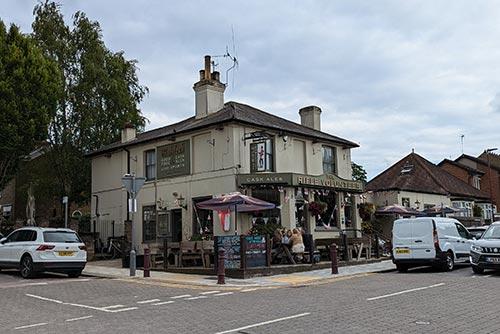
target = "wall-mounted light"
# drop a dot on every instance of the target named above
(181, 201)
(211, 141)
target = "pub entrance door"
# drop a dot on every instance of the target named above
(176, 227)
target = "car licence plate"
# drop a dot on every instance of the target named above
(66, 253)
(402, 251)
(493, 259)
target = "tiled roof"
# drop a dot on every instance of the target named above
(462, 166)
(483, 160)
(231, 112)
(494, 159)
(416, 174)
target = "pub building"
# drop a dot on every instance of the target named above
(224, 148)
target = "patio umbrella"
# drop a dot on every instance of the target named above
(395, 210)
(235, 202)
(441, 209)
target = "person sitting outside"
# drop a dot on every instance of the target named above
(297, 244)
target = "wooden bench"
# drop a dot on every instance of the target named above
(188, 251)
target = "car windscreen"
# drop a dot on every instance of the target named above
(493, 232)
(60, 236)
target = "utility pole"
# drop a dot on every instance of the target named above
(133, 185)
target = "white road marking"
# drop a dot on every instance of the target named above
(264, 323)
(123, 309)
(80, 318)
(111, 306)
(163, 303)
(249, 290)
(46, 299)
(34, 325)
(148, 301)
(198, 297)
(224, 294)
(181, 296)
(102, 309)
(406, 291)
(209, 292)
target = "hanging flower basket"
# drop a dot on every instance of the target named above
(316, 208)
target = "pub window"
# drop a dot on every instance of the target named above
(261, 156)
(150, 164)
(203, 223)
(329, 156)
(149, 223)
(7, 211)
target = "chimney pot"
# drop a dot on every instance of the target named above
(207, 68)
(216, 76)
(202, 75)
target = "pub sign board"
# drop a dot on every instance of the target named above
(173, 160)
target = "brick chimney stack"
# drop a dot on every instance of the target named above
(209, 91)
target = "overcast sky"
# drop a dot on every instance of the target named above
(389, 75)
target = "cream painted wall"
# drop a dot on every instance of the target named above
(423, 199)
(217, 155)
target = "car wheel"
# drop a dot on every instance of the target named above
(477, 270)
(402, 268)
(27, 266)
(74, 274)
(449, 264)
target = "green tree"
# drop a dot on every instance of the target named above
(100, 93)
(29, 89)
(358, 172)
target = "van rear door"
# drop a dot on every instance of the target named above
(413, 239)
(423, 239)
(401, 239)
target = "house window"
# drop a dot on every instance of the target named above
(405, 201)
(329, 157)
(148, 223)
(261, 156)
(476, 182)
(7, 211)
(150, 164)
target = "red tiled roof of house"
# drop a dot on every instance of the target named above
(416, 174)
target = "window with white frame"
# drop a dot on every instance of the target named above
(329, 157)
(476, 182)
(150, 164)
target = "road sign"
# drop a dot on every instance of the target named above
(133, 184)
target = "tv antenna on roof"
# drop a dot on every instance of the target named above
(232, 57)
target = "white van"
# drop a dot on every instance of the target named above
(435, 241)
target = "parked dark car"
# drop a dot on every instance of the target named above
(485, 252)
(477, 231)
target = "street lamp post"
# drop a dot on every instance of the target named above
(488, 151)
(132, 184)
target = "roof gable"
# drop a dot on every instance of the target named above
(424, 177)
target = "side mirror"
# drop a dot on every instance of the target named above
(3, 241)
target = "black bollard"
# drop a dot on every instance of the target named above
(147, 262)
(221, 269)
(333, 257)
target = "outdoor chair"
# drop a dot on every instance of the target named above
(207, 251)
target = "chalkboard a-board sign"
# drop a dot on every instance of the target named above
(232, 245)
(255, 251)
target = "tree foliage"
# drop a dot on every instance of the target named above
(100, 93)
(358, 172)
(29, 89)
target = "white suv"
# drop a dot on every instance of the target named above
(36, 249)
